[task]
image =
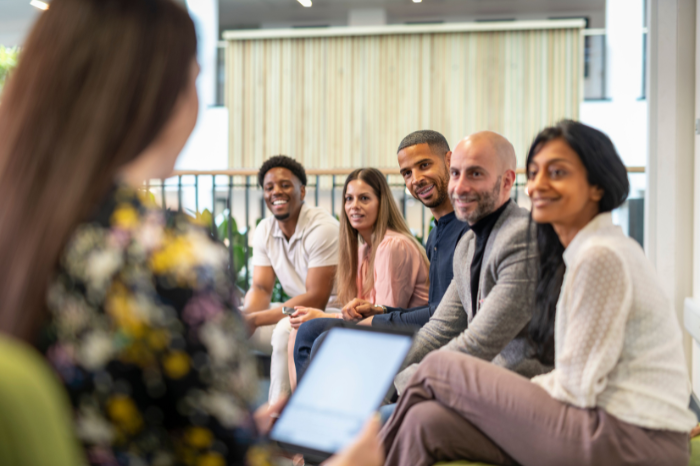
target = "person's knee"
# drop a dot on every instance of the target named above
(437, 359)
(280, 335)
(313, 328)
(306, 330)
(426, 416)
(317, 343)
(309, 332)
(430, 365)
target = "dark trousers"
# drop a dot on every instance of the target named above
(308, 341)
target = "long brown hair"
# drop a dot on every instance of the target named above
(96, 82)
(388, 218)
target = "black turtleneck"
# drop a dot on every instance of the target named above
(482, 230)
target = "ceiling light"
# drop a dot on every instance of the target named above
(417, 1)
(305, 3)
(39, 4)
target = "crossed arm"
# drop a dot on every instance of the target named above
(319, 284)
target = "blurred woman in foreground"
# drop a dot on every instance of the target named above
(135, 316)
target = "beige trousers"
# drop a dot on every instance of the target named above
(459, 407)
(272, 341)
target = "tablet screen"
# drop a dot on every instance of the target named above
(344, 384)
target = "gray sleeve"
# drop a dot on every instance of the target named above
(449, 321)
(508, 307)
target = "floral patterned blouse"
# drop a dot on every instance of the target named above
(143, 335)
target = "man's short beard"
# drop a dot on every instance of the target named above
(441, 189)
(486, 204)
(283, 217)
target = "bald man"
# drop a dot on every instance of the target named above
(486, 308)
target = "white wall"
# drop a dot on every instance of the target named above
(695, 355)
(207, 148)
(623, 116)
(12, 33)
(626, 124)
(669, 202)
(14, 27)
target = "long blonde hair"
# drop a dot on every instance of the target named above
(388, 218)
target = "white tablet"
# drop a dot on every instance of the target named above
(343, 386)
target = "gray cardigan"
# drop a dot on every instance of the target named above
(498, 331)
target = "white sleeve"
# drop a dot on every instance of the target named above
(322, 244)
(596, 317)
(260, 253)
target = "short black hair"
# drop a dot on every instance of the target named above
(436, 141)
(282, 161)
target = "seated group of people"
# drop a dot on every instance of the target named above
(544, 336)
(552, 328)
(366, 264)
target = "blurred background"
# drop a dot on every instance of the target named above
(338, 84)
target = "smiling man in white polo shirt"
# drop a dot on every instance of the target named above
(298, 246)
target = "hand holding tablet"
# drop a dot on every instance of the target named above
(340, 390)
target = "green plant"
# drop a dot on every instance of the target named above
(8, 60)
(234, 240)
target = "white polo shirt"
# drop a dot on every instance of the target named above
(313, 244)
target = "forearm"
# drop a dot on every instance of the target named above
(264, 316)
(427, 339)
(449, 320)
(257, 299)
(309, 299)
(503, 315)
(486, 338)
(420, 349)
(414, 317)
(401, 310)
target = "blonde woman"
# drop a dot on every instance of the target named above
(380, 260)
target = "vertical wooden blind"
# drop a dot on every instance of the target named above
(347, 101)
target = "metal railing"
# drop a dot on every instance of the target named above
(233, 198)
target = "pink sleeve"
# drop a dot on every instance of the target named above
(397, 267)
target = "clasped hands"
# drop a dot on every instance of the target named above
(357, 310)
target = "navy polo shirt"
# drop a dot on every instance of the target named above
(440, 249)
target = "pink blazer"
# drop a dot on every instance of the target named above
(400, 275)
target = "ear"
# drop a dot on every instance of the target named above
(596, 193)
(508, 180)
(448, 159)
(303, 191)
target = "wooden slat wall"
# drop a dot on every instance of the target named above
(340, 102)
